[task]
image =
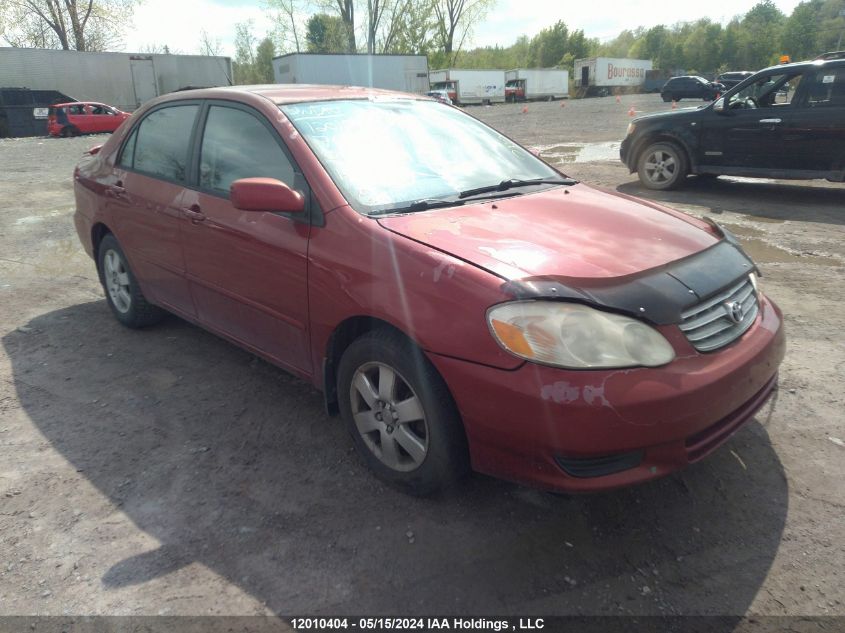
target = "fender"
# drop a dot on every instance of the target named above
(684, 139)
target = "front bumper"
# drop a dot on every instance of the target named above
(573, 430)
(624, 152)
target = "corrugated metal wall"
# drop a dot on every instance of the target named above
(106, 77)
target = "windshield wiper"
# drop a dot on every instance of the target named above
(510, 184)
(421, 205)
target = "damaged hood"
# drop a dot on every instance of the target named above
(574, 232)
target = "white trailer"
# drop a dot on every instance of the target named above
(599, 76)
(470, 86)
(124, 80)
(408, 73)
(532, 84)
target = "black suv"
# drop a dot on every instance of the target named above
(690, 87)
(786, 121)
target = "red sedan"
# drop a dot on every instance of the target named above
(475, 309)
(73, 119)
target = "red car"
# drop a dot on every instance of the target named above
(73, 119)
(469, 309)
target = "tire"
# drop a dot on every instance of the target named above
(70, 130)
(666, 98)
(662, 166)
(123, 293)
(383, 377)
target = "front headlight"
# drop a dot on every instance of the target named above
(631, 128)
(576, 336)
(755, 281)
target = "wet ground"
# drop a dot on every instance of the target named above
(166, 471)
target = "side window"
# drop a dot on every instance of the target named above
(161, 146)
(99, 109)
(127, 156)
(827, 88)
(237, 145)
(77, 110)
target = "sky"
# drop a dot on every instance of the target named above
(178, 23)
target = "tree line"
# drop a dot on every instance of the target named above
(747, 42)
(441, 29)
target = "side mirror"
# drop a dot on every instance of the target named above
(719, 106)
(265, 194)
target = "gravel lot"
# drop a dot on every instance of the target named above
(168, 472)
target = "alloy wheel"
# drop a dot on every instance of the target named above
(116, 279)
(389, 416)
(661, 167)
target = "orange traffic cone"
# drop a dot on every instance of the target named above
(618, 99)
(674, 104)
(632, 112)
(524, 109)
(563, 104)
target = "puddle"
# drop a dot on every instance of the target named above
(564, 153)
(764, 253)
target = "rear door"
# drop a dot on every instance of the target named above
(78, 116)
(247, 269)
(145, 200)
(814, 137)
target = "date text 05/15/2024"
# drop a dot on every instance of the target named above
(417, 624)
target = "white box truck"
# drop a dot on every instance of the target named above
(601, 76)
(535, 84)
(408, 73)
(470, 86)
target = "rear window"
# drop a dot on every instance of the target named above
(827, 88)
(161, 144)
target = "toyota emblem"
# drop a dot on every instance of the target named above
(735, 311)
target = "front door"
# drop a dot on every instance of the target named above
(103, 118)
(247, 270)
(749, 133)
(145, 203)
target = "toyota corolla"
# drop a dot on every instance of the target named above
(473, 309)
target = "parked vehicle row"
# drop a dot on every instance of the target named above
(787, 121)
(322, 229)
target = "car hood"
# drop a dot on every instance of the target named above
(575, 232)
(680, 113)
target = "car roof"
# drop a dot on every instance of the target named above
(70, 103)
(281, 94)
(810, 63)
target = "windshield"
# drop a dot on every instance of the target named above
(389, 154)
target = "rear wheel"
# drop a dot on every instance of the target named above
(70, 130)
(662, 166)
(400, 414)
(123, 293)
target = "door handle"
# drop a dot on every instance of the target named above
(115, 191)
(194, 213)
(771, 121)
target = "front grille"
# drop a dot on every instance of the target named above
(709, 325)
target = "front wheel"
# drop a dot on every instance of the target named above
(123, 293)
(662, 166)
(400, 414)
